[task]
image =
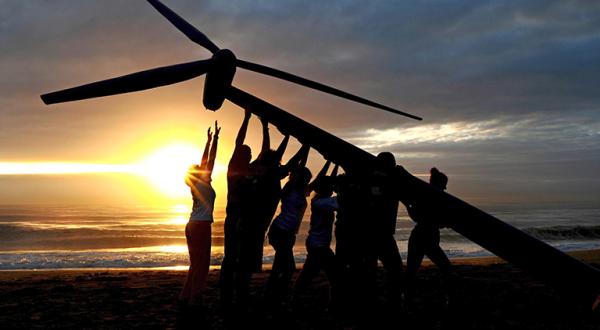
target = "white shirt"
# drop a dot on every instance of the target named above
(321, 221)
(203, 196)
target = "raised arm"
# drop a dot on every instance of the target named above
(322, 173)
(205, 153)
(304, 156)
(335, 170)
(296, 159)
(266, 142)
(324, 170)
(241, 136)
(281, 149)
(213, 149)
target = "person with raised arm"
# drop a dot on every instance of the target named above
(262, 196)
(237, 173)
(267, 174)
(198, 228)
(283, 229)
(320, 256)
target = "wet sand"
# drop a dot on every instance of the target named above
(488, 294)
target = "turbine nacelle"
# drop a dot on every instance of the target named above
(219, 78)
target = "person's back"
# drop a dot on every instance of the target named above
(293, 205)
(267, 189)
(383, 211)
(351, 200)
(322, 216)
(351, 216)
(237, 189)
(203, 197)
(383, 201)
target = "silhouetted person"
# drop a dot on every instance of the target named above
(198, 228)
(425, 237)
(262, 197)
(320, 256)
(353, 232)
(267, 175)
(237, 193)
(283, 229)
(383, 209)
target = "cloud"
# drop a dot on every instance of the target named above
(534, 128)
(529, 158)
(501, 84)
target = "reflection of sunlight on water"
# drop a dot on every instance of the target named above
(179, 267)
(51, 225)
(156, 248)
(181, 214)
(173, 248)
(178, 220)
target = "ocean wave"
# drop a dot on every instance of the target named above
(19, 237)
(144, 259)
(60, 260)
(565, 233)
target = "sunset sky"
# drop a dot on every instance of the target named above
(508, 91)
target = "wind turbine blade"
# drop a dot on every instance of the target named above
(318, 86)
(182, 25)
(131, 83)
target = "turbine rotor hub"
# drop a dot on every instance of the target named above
(219, 78)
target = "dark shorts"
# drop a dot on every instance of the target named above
(281, 239)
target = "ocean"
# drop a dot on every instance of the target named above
(59, 237)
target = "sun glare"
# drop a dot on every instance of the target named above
(166, 169)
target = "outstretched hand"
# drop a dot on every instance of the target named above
(209, 135)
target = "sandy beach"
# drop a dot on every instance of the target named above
(489, 294)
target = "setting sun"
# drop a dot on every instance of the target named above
(166, 168)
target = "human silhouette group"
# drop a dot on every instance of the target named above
(358, 209)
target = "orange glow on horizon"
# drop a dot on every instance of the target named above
(164, 169)
(55, 168)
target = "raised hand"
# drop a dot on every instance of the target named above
(209, 135)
